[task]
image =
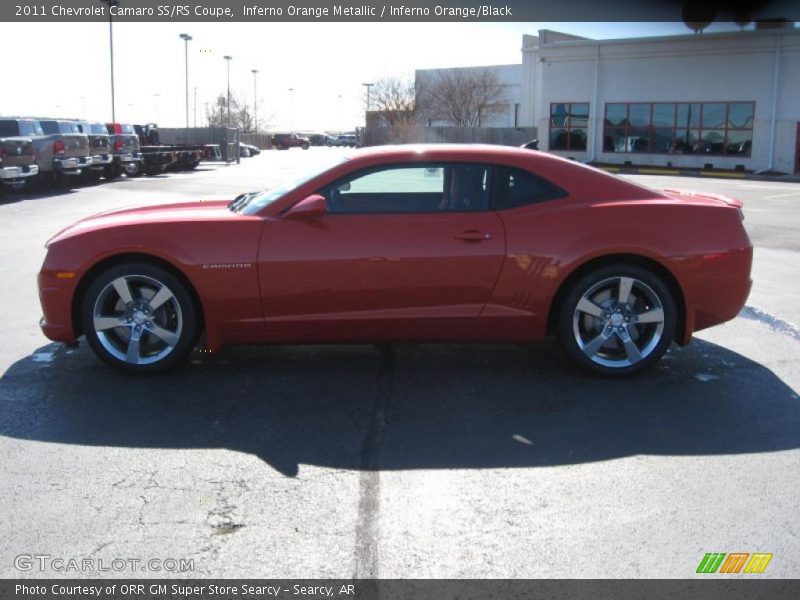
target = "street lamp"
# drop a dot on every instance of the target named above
(291, 109)
(228, 60)
(368, 86)
(186, 39)
(111, 3)
(255, 99)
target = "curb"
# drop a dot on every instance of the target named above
(786, 178)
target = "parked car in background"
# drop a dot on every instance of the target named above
(319, 139)
(347, 140)
(59, 155)
(17, 162)
(284, 141)
(100, 145)
(250, 148)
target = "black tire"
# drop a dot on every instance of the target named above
(166, 333)
(304, 145)
(112, 172)
(613, 339)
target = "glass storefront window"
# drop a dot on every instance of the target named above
(710, 128)
(569, 126)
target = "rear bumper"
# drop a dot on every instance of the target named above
(8, 174)
(128, 157)
(100, 161)
(718, 288)
(72, 165)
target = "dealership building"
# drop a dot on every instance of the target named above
(714, 100)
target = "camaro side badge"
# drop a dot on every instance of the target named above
(229, 266)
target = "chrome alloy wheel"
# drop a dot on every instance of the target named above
(137, 319)
(618, 322)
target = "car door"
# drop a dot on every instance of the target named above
(403, 251)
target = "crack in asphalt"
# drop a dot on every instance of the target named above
(366, 546)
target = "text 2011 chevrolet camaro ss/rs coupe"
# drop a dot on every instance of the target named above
(406, 244)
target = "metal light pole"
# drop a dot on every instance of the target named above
(186, 39)
(228, 60)
(339, 114)
(111, 3)
(255, 99)
(291, 109)
(195, 107)
(368, 86)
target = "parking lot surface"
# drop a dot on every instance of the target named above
(413, 461)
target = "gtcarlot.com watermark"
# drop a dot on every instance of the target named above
(61, 564)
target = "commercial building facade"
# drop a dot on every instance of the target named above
(721, 100)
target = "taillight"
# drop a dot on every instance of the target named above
(117, 145)
(59, 147)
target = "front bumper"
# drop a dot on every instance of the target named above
(55, 295)
(72, 165)
(17, 173)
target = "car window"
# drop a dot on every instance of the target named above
(515, 187)
(8, 128)
(50, 127)
(423, 188)
(67, 127)
(98, 128)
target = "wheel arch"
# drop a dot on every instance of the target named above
(616, 259)
(118, 259)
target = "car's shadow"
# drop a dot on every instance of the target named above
(405, 406)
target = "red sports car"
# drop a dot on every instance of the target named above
(406, 244)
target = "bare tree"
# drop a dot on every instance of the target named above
(392, 101)
(462, 97)
(242, 115)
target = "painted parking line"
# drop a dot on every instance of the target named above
(782, 195)
(659, 172)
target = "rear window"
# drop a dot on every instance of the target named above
(515, 187)
(50, 127)
(98, 128)
(8, 128)
(128, 129)
(68, 127)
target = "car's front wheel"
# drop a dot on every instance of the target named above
(617, 320)
(139, 317)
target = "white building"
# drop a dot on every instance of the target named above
(730, 100)
(506, 114)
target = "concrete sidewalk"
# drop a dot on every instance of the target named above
(714, 173)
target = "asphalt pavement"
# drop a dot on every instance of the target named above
(412, 461)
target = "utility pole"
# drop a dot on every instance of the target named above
(228, 60)
(186, 39)
(255, 99)
(110, 4)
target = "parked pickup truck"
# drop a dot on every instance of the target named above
(100, 145)
(71, 149)
(284, 141)
(58, 154)
(17, 162)
(127, 156)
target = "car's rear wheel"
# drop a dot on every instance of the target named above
(139, 318)
(617, 320)
(304, 145)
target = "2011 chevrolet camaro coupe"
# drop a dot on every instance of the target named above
(406, 244)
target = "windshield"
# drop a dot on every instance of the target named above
(267, 197)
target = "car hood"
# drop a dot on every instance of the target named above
(203, 210)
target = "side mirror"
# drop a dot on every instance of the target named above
(308, 208)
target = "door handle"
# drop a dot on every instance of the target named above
(473, 235)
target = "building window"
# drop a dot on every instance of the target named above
(569, 125)
(705, 128)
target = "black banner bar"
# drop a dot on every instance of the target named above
(265, 11)
(748, 587)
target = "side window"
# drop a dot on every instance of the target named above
(515, 187)
(423, 188)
